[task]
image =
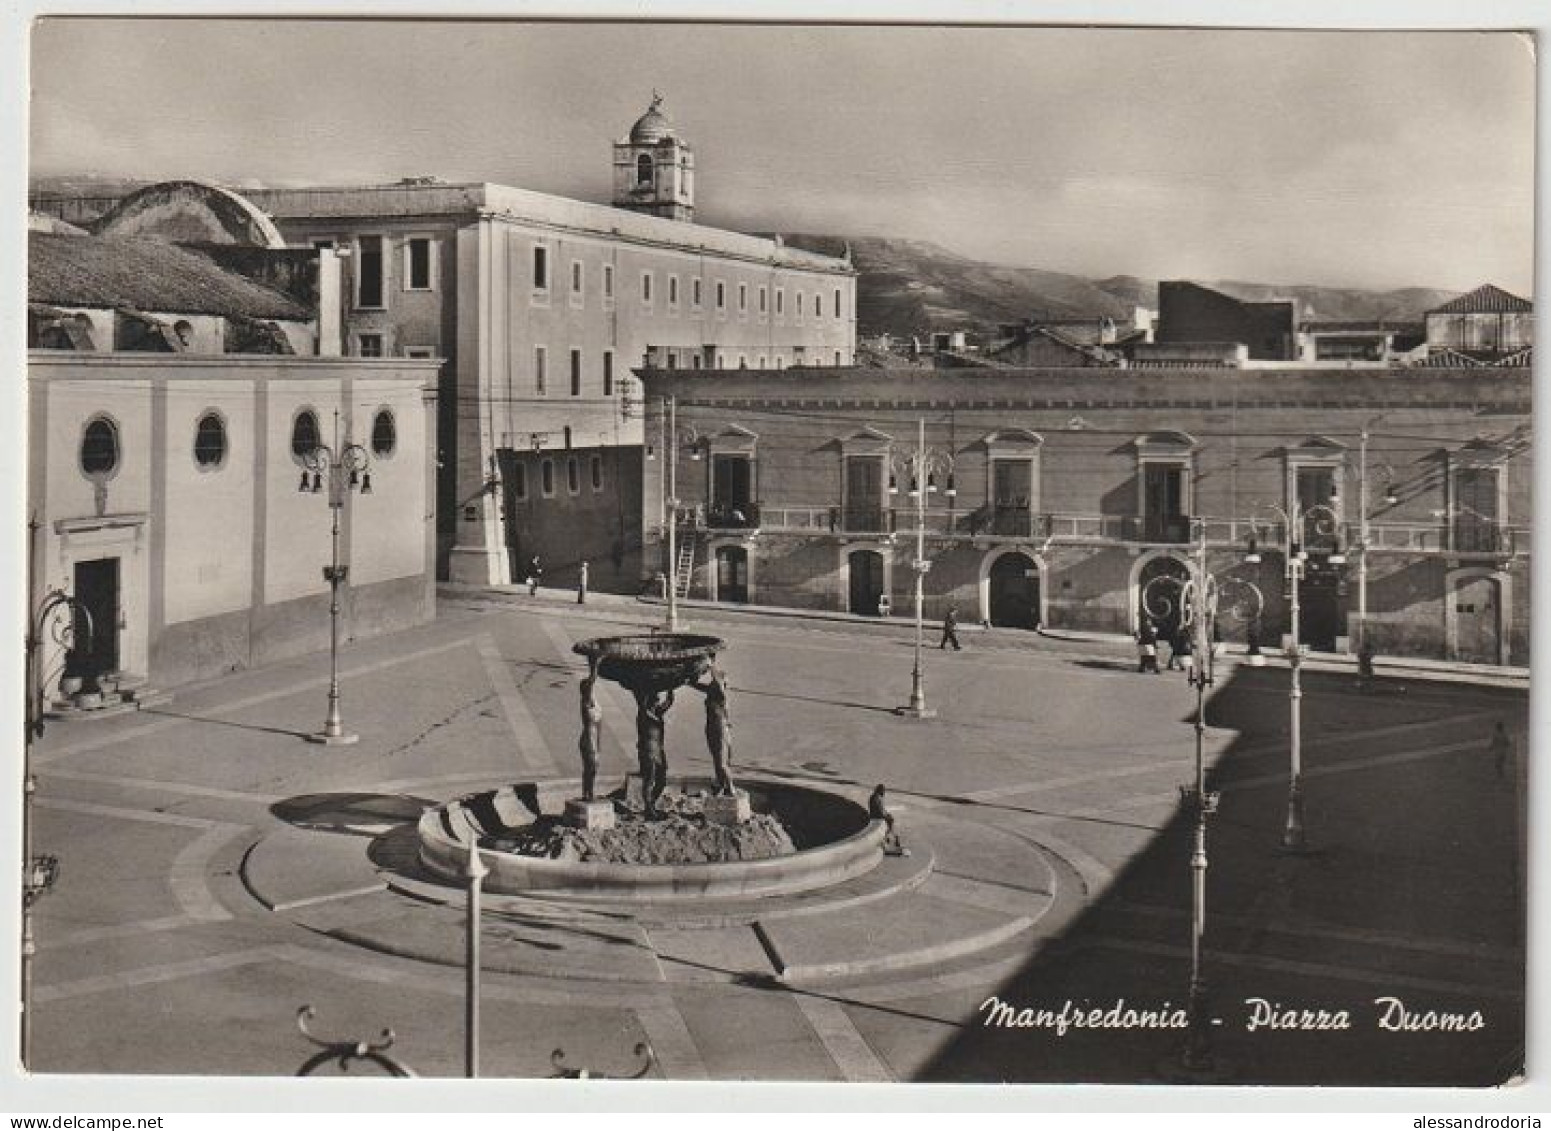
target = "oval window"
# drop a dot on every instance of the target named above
(99, 447)
(305, 437)
(385, 435)
(210, 441)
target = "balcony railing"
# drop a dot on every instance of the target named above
(1438, 537)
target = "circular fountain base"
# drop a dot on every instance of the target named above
(833, 840)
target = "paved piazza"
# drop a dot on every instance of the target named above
(219, 873)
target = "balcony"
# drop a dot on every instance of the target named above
(733, 516)
(1173, 529)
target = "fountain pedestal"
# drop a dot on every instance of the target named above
(582, 814)
(723, 810)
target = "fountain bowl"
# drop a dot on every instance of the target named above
(651, 662)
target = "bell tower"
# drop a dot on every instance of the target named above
(654, 172)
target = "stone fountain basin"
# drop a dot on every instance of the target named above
(836, 841)
(656, 662)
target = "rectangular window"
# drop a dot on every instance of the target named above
(417, 264)
(780, 301)
(576, 373)
(540, 268)
(540, 378)
(369, 271)
(646, 287)
(573, 476)
(1475, 510)
(694, 293)
(864, 493)
(369, 345)
(721, 295)
(520, 480)
(547, 478)
(576, 277)
(673, 290)
(608, 373)
(743, 298)
(419, 351)
(597, 473)
(837, 302)
(608, 280)
(764, 300)
(1164, 494)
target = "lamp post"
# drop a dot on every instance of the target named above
(474, 872)
(922, 468)
(347, 469)
(1323, 521)
(673, 438)
(55, 617)
(1362, 525)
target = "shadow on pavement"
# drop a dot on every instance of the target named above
(1414, 895)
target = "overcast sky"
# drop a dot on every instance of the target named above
(1360, 159)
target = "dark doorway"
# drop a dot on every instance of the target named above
(866, 581)
(1320, 608)
(96, 629)
(1476, 621)
(1014, 592)
(732, 492)
(732, 574)
(1163, 503)
(1158, 590)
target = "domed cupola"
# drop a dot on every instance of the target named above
(654, 171)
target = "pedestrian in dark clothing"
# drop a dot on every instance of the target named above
(1147, 648)
(950, 624)
(1365, 665)
(535, 573)
(581, 585)
(1179, 645)
(1184, 651)
(1501, 748)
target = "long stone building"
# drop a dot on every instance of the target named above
(1407, 490)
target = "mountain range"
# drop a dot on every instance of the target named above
(907, 287)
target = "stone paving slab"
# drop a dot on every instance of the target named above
(293, 867)
(723, 954)
(916, 930)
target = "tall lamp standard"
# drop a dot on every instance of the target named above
(1322, 521)
(921, 467)
(56, 617)
(347, 469)
(1390, 499)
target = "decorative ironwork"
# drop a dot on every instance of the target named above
(643, 1052)
(348, 1052)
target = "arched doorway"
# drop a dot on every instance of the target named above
(1159, 585)
(1013, 601)
(1475, 611)
(866, 570)
(732, 574)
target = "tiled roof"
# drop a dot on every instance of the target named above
(144, 274)
(1485, 299)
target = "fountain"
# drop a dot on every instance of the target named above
(643, 841)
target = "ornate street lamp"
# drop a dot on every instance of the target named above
(921, 469)
(1199, 601)
(346, 469)
(1320, 521)
(55, 618)
(348, 1052)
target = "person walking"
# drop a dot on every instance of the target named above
(1365, 664)
(1501, 749)
(581, 585)
(950, 624)
(1182, 654)
(1175, 638)
(535, 574)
